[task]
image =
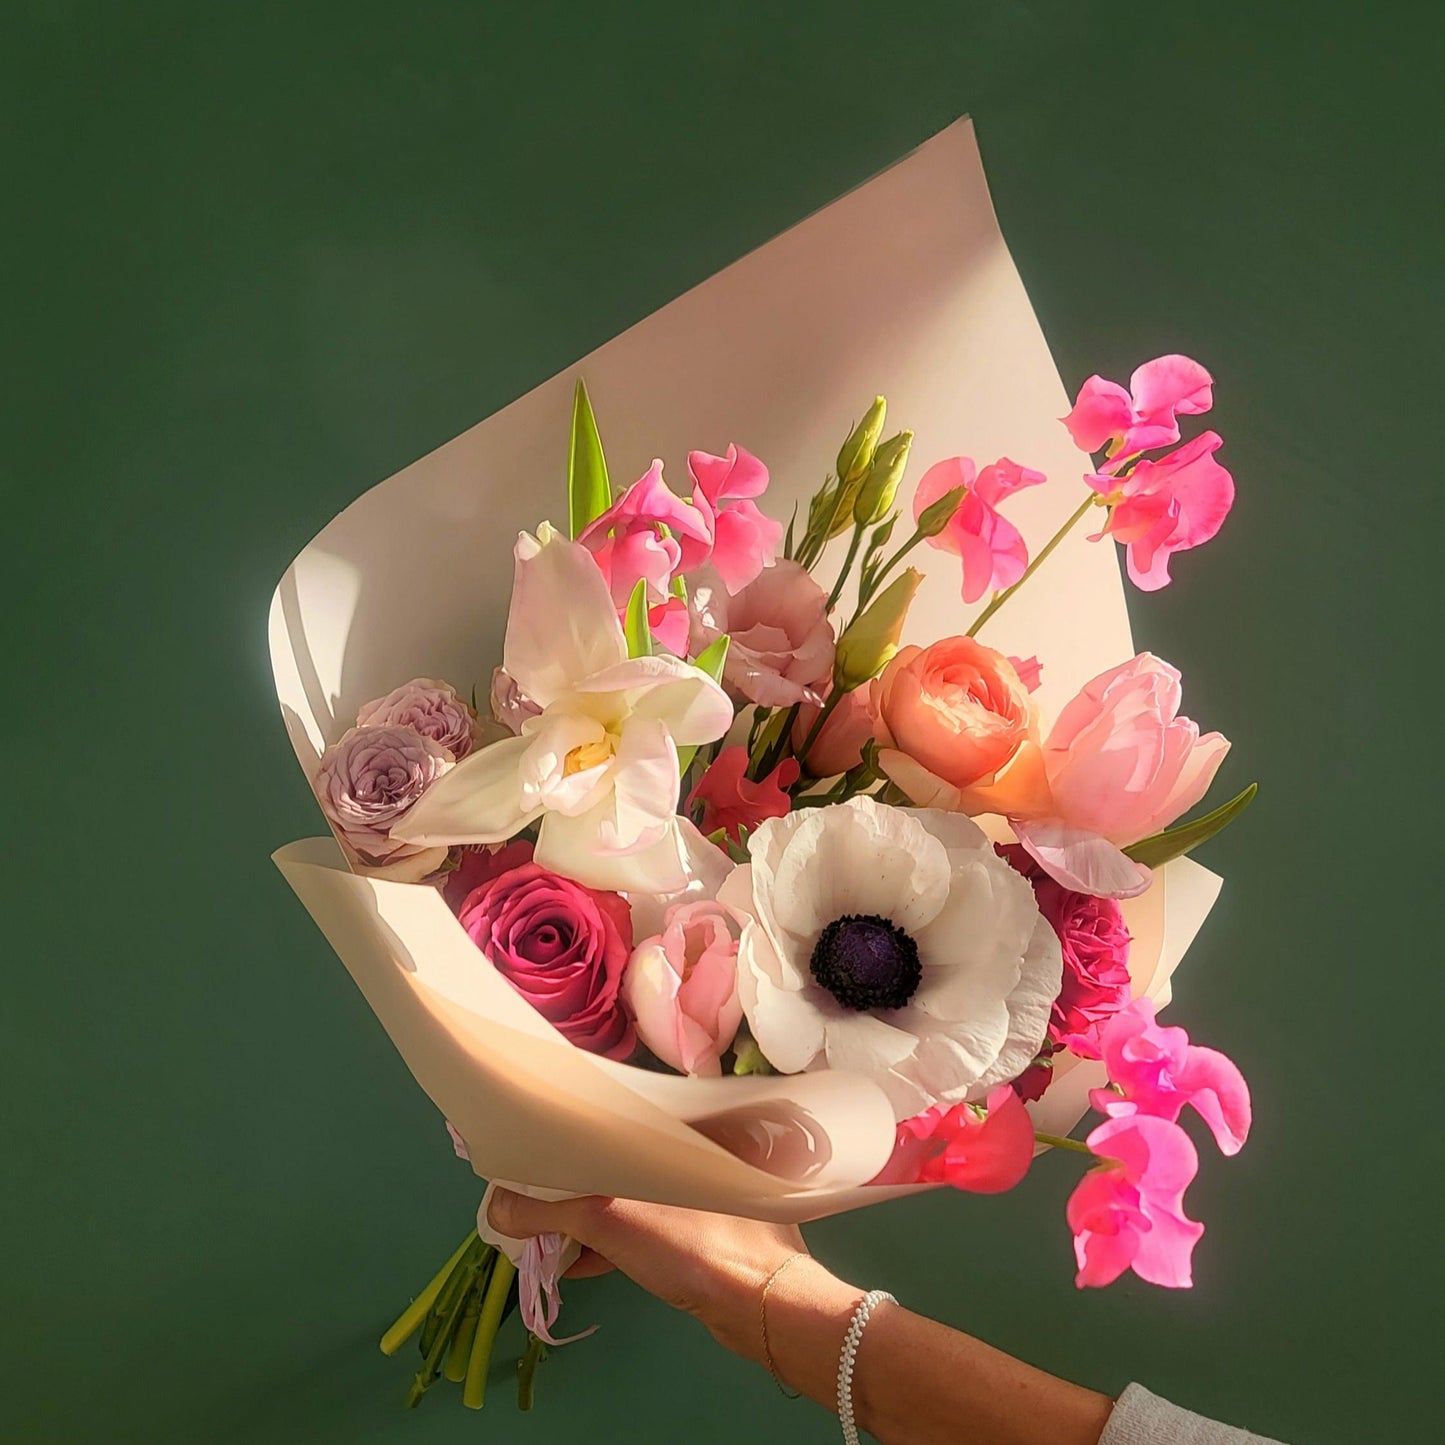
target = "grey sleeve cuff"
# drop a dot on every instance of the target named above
(1140, 1418)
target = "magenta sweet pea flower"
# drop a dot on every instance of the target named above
(990, 547)
(1156, 1071)
(1145, 416)
(1166, 506)
(1129, 1213)
(744, 540)
(953, 1144)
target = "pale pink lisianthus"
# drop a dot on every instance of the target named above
(1156, 1071)
(839, 745)
(1165, 506)
(781, 647)
(953, 1144)
(368, 781)
(730, 800)
(989, 546)
(682, 988)
(432, 707)
(744, 539)
(1129, 1214)
(1146, 415)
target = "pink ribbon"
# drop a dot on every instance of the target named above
(538, 1294)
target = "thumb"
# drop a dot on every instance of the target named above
(520, 1217)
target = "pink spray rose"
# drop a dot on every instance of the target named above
(1156, 1071)
(1145, 416)
(744, 540)
(781, 650)
(563, 947)
(990, 547)
(682, 988)
(650, 534)
(952, 1144)
(368, 781)
(433, 708)
(1164, 506)
(731, 801)
(839, 746)
(1129, 1213)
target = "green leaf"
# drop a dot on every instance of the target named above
(712, 657)
(634, 627)
(788, 543)
(589, 493)
(1162, 848)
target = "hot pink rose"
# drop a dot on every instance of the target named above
(781, 650)
(1145, 416)
(368, 781)
(1129, 1214)
(432, 707)
(479, 863)
(682, 988)
(563, 947)
(1156, 1071)
(955, 1145)
(1161, 507)
(731, 801)
(990, 547)
(840, 744)
(744, 540)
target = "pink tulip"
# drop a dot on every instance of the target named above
(682, 988)
(984, 1154)
(731, 801)
(1166, 506)
(744, 540)
(1157, 1072)
(1145, 416)
(1129, 1213)
(990, 547)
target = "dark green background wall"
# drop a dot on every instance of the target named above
(260, 256)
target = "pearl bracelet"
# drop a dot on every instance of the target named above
(849, 1355)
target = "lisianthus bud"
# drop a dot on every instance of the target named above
(937, 515)
(875, 496)
(856, 455)
(868, 645)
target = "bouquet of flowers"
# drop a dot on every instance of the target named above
(709, 888)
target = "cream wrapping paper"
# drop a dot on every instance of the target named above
(904, 285)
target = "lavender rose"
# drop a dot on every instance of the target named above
(563, 947)
(430, 706)
(368, 781)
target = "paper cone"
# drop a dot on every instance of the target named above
(903, 286)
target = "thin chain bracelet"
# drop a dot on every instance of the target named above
(763, 1316)
(849, 1355)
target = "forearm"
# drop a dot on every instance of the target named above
(917, 1382)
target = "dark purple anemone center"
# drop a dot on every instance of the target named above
(866, 962)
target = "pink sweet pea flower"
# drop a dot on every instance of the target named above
(1145, 416)
(1156, 1071)
(649, 534)
(1030, 671)
(954, 1145)
(1129, 1213)
(744, 540)
(730, 800)
(1166, 506)
(990, 547)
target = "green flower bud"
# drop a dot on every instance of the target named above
(856, 455)
(935, 517)
(868, 645)
(875, 496)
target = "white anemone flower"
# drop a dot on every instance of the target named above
(893, 943)
(598, 764)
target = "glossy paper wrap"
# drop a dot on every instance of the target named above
(903, 286)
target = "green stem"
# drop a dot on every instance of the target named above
(999, 598)
(881, 574)
(453, 1290)
(778, 748)
(474, 1390)
(409, 1320)
(1058, 1141)
(527, 1371)
(466, 1332)
(432, 1365)
(824, 713)
(853, 544)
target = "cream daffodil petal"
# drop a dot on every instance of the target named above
(478, 801)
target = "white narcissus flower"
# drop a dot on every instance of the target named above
(892, 943)
(598, 764)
